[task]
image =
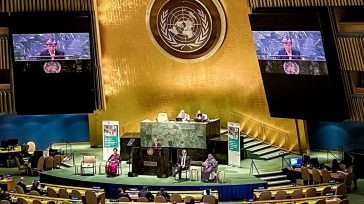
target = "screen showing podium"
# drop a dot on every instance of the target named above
(151, 161)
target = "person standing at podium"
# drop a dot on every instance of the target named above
(156, 143)
(183, 163)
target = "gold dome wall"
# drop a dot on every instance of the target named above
(140, 81)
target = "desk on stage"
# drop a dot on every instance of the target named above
(179, 134)
(8, 154)
(151, 161)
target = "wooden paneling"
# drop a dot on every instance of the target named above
(45, 5)
(351, 51)
(303, 3)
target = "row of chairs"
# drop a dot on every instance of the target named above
(311, 192)
(175, 198)
(44, 164)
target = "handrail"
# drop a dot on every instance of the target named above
(327, 156)
(285, 161)
(262, 128)
(252, 166)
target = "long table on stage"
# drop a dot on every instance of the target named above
(151, 161)
(8, 154)
(179, 134)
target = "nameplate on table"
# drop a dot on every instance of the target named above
(150, 163)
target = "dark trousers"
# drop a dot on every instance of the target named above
(179, 171)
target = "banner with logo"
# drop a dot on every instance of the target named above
(111, 140)
(234, 144)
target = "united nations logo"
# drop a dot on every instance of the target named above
(187, 29)
(291, 68)
(150, 151)
(52, 67)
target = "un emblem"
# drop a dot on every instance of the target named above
(187, 30)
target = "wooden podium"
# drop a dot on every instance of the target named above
(151, 161)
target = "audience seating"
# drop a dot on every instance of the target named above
(344, 201)
(51, 192)
(266, 195)
(326, 177)
(36, 193)
(197, 195)
(123, 199)
(341, 190)
(76, 194)
(19, 189)
(143, 199)
(280, 195)
(160, 199)
(316, 177)
(87, 163)
(37, 202)
(4, 202)
(90, 197)
(326, 190)
(187, 199)
(311, 192)
(25, 198)
(296, 193)
(209, 199)
(62, 193)
(322, 201)
(176, 198)
(305, 175)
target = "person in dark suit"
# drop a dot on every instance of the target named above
(156, 143)
(145, 193)
(183, 163)
(22, 184)
(287, 52)
(121, 193)
(335, 166)
(35, 187)
(163, 192)
(51, 52)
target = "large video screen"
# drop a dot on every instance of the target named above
(290, 52)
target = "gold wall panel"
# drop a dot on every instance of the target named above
(45, 5)
(303, 3)
(139, 81)
(351, 50)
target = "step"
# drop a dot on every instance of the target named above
(275, 155)
(252, 144)
(259, 148)
(248, 139)
(268, 173)
(266, 151)
(281, 186)
(280, 182)
(223, 131)
(272, 178)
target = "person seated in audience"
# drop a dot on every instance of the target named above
(192, 201)
(113, 163)
(163, 192)
(183, 116)
(121, 193)
(145, 193)
(209, 167)
(335, 166)
(35, 186)
(22, 184)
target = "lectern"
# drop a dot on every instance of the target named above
(151, 161)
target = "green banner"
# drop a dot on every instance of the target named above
(111, 141)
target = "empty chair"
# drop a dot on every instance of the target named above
(187, 199)
(90, 197)
(19, 189)
(326, 190)
(48, 163)
(21, 201)
(160, 199)
(143, 199)
(40, 166)
(306, 177)
(311, 192)
(37, 202)
(51, 193)
(176, 198)
(33, 192)
(62, 193)
(340, 190)
(342, 167)
(88, 162)
(316, 177)
(65, 202)
(75, 194)
(280, 195)
(123, 199)
(348, 181)
(296, 193)
(344, 201)
(326, 177)
(210, 199)
(57, 161)
(21, 167)
(265, 195)
(31, 147)
(4, 202)
(322, 201)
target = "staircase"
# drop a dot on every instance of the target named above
(274, 178)
(256, 149)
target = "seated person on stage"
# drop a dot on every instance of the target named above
(113, 163)
(121, 193)
(209, 167)
(22, 184)
(200, 117)
(183, 163)
(156, 143)
(163, 192)
(145, 193)
(183, 116)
